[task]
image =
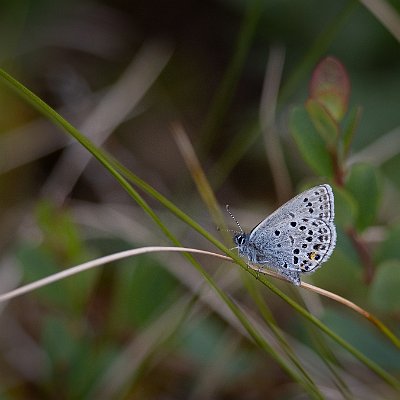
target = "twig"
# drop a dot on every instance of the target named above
(152, 249)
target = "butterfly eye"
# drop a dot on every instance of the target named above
(240, 239)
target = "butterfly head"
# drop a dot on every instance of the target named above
(241, 240)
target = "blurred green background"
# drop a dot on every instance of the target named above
(231, 72)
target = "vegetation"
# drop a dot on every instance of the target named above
(117, 276)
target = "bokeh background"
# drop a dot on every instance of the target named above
(229, 72)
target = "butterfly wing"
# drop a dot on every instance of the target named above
(300, 235)
(312, 199)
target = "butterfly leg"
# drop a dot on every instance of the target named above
(258, 272)
(248, 266)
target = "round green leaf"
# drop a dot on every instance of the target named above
(389, 248)
(312, 147)
(363, 185)
(323, 122)
(385, 289)
(345, 208)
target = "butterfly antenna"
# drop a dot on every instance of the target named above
(233, 217)
(225, 230)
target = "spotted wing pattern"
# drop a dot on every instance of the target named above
(299, 236)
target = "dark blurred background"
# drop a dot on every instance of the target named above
(70, 52)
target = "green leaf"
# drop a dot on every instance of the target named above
(70, 294)
(60, 233)
(310, 144)
(323, 122)
(57, 341)
(345, 208)
(363, 337)
(363, 185)
(72, 350)
(389, 248)
(89, 362)
(385, 289)
(62, 240)
(144, 289)
(36, 263)
(342, 272)
(204, 340)
(350, 128)
(200, 339)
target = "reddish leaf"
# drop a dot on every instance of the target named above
(330, 86)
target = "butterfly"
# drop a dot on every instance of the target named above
(297, 238)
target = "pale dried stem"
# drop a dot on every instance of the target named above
(152, 249)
